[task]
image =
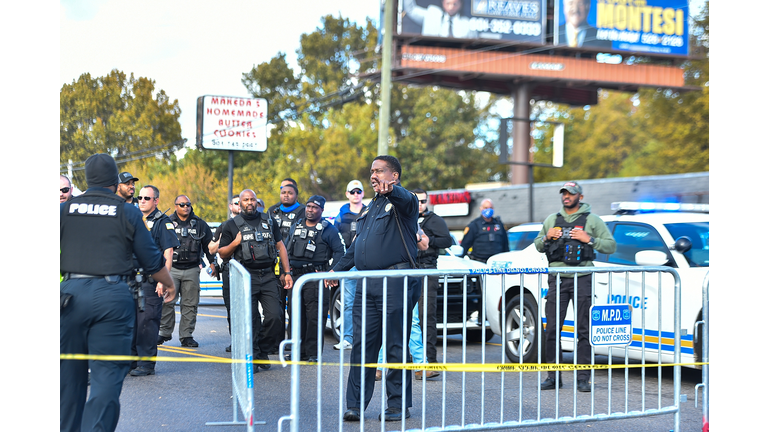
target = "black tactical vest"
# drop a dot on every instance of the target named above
(567, 250)
(489, 241)
(189, 234)
(348, 226)
(286, 220)
(257, 247)
(306, 243)
(96, 238)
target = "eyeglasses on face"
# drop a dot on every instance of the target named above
(356, 191)
(145, 198)
(423, 201)
(184, 204)
(64, 190)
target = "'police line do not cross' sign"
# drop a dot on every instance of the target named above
(610, 325)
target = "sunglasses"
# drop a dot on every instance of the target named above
(184, 204)
(145, 198)
(64, 190)
(236, 203)
(356, 191)
(423, 201)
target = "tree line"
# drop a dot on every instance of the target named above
(324, 128)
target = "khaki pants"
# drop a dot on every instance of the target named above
(187, 284)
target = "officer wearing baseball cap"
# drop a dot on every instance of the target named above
(126, 187)
(570, 238)
(311, 245)
(99, 231)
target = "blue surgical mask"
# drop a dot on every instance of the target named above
(487, 213)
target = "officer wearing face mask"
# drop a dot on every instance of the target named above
(485, 236)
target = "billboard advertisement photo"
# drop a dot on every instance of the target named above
(509, 20)
(643, 26)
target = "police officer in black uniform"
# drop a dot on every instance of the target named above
(99, 233)
(285, 214)
(386, 240)
(255, 241)
(311, 246)
(485, 235)
(436, 236)
(193, 234)
(145, 335)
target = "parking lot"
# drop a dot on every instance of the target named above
(195, 388)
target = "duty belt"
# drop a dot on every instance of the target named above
(306, 268)
(403, 265)
(108, 278)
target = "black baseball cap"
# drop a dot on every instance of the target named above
(125, 177)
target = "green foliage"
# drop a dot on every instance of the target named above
(116, 115)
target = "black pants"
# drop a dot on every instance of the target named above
(310, 303)
(397, 306)
(582, 303)
(428, 320)
(225, 293)
(267, 334)
(98, 320)
(147, 329)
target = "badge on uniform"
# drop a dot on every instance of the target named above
(421, 220)
(388, 206)
(291, 216)
(150, 224)
(169, 226)
(264, 225)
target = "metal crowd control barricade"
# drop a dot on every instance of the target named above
(242, 348)
(466, 401)
(704, 335)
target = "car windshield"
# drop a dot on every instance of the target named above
(698, 232)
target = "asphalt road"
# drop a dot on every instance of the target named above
(185, 395)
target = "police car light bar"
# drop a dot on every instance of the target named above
(627, 206)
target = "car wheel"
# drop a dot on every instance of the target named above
(523, 323)
(477, 335)
(336, 313)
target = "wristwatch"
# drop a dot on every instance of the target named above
(591, 241)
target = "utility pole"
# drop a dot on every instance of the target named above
(386, 78)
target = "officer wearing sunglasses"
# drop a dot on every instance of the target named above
(194, 235)
(65, 189)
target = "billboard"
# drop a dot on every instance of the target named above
(509, 20)
(642, 26)
(231, 123)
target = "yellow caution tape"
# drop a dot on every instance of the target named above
(445, 367)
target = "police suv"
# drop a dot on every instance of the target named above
(646, 234)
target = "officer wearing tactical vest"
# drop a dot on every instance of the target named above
(485, 235)
(312, 245)
(285, 214)
(346, 223)
(194, 234)
(569, 239)
(99, 233)
(148, 317)
(255, 241)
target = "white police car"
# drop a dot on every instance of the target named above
(521, 236)
(646, 234)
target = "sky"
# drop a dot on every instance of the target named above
(190, 48)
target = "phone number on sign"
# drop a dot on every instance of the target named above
(505, 26)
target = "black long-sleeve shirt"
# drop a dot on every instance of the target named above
(378, 244)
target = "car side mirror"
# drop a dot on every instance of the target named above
(683, 244)
(456, 250)
(651, 258)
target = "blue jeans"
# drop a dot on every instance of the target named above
(349, 298)
(416, 345)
